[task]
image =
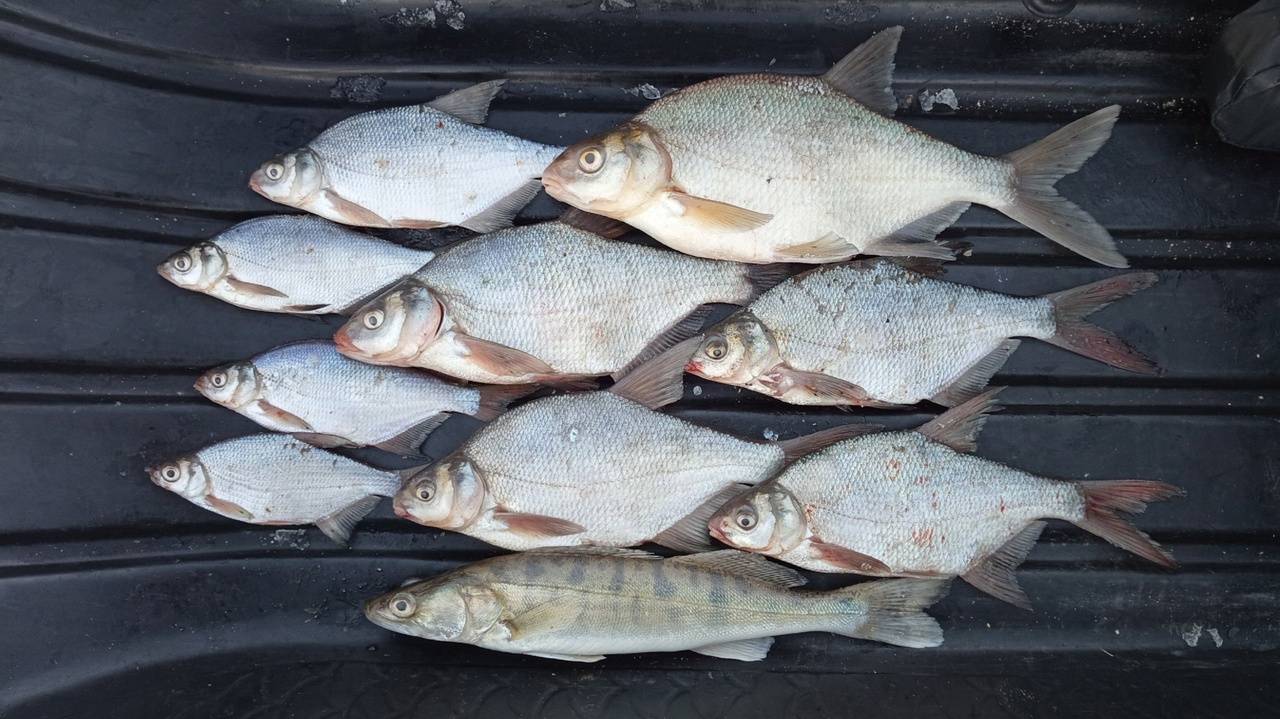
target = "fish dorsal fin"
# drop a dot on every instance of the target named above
(606, 227)
(591, 552)
(866, 74)
(958, 427)
(470, 104)
(660, 381)
(798, 447)
(679, 332)
(742, 564)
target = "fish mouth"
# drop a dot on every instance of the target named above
(693, 367)
(342, 339)
(256, 182)
(400, 511)
(713, 528)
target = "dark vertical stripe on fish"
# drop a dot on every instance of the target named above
(662, 587)
(619, 576)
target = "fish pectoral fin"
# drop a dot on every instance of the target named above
(659, 381)
(501, 213)
(229, 508)
(674, 335)
(848, 559)
(834, 390)
(353, 214)
(959, 426)
(338, 526)
(973, 380)
(282, 418)
(828, 248)
(995, 574)
(743, 564)
(325, 441)
(470, 104)
(568, 657)
(537, 525)
(250, 288)
(713, 216)
(500, 359)
(690, 533)
(743, 650)
(409, 442)
(866, 73)
(919, 238)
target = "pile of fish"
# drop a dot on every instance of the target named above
(742, 177)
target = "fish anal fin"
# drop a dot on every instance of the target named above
(848, 559)
(828, 248)
(338, 525)
(537, 525)
(250, 288)
(586, 658)
(743, 650)
(228, 508)
(959, 426)
(501, 213)
(281, 419)
(995, 574)
(973, 380)
(353, 214)
(866, 73)
(742, 564)
(499, 359)
(470, 104)
(659, 381)
(714, 216)
(674, 335)
(690, 533)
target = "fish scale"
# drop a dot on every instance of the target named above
(900, 336)
(916, 505)
(579, 302)
(582, 457)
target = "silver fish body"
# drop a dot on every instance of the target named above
(562, 300)
(277, 480)
(292, 263)
(310, 388)
(581, 604)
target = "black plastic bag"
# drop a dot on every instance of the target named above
(1244, 77)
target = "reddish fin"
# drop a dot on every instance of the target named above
(995, 574)
(1103, 499)
(495, 398)
(848, 559)
(354, 214)
(866, 73)
(501, 360)
(537, 525)
(229, 509)
(824, 387)
(1070, 307)
(283, 418)
(716, 216)
(660, 381)
(253, 289)
(606, 227)
(798, 447)
(958, 427)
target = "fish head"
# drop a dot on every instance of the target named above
(614, 174)
(394, 328)
(198, 267)
(766, 519)
(736, 351)
(289, 179)
(452, 607)
(234, 385)
(185, 476)
(449, 494)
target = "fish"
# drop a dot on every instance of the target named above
(598, 468)
(787, 168)
(578, 604)
(312, 391)
(295, 264)
(545, 303)
(877, 333)
(275, 479)
(428, 165)
(918, 503)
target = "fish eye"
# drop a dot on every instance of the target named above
(170, 474)
(373, 319)
(426, 492)
(402, 605)
(219, 380)
(745, 519)
(591, 160)
(182, 263)
(274, 171)
(716, 348)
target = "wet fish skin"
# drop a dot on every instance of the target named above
(543, 300)
(579, 604)
(275, 479)
(885, 334)
(775, 168)
(294, 264)
(309, 387)
(412, 166)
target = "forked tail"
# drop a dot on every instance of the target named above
(1070, 307)
(895, 611)
(1103, 500)
(1038, 167)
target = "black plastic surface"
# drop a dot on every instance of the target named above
(128, 129)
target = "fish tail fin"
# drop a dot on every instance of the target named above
(895, 611)
(1104, 499)
(1037, 204)
(495, 398)
(1070, 307)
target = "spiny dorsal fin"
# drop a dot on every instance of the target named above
(867, 73)
(589, 552)
(742, 564)
(958, 427)
(660, 381)
(470, 104)
(606, 227)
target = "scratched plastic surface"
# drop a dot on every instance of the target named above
(128, 129)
